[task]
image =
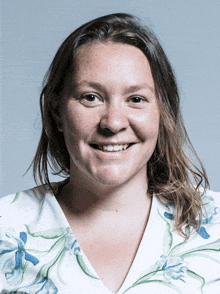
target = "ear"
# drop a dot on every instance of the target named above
(56, 115)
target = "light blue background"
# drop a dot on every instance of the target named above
(31, 32)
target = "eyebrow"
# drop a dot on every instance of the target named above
(135, 88)
(128, 90)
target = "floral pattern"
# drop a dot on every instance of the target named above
(33, 261)
(71, 243)
(173, 268)
(209, 211)
(13, 257)
(44, 286)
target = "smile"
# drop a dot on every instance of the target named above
(111, 148)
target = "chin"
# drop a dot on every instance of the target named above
(111, 177)
(110, 181)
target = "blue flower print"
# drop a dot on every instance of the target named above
(13, 256)
(44, 286)
(71, 244)
(169, 215)
(209, 211)
(173, 267)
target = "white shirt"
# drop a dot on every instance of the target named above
(39, 253)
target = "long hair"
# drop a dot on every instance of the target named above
(170, 170)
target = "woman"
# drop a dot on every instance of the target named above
(127, 218)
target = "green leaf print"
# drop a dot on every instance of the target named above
(83, 266)
(16, 197)
(59, 266)
(187, 231)
(49, 234)
(197, 277)
(145, 278)
(58, 244)
(214, 246)
(168, 237)
(152, 271)
(160, 282)
(46, 268)
(23, 271)
(167, 285)
(200, 254)
(176, 249)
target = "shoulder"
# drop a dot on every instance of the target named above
(26, 198)
(197, 259)
(210, 226)
(21, 205)
(33, 210)
(26, 206)
(212, 196)
(211, 207)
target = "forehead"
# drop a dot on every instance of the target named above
(108, 61)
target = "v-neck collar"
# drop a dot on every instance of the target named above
(149, 250)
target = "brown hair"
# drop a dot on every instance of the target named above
(170, 171)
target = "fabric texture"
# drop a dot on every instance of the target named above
(39, 253)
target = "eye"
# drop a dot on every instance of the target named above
(91, 98)
(137, 100)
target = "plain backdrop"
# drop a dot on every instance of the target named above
(32, 31)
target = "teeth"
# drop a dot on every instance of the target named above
(113, 148)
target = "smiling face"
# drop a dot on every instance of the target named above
(110, 118)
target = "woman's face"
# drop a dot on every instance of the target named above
(110, 118)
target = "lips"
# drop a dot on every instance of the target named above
(111, 147)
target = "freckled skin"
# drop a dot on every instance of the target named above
(112, 115)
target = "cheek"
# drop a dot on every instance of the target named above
(76, 122)
(78, 127)
(147, 125)
(72, 127)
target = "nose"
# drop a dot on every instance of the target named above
(114, 119)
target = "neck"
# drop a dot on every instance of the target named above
(82, 196)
